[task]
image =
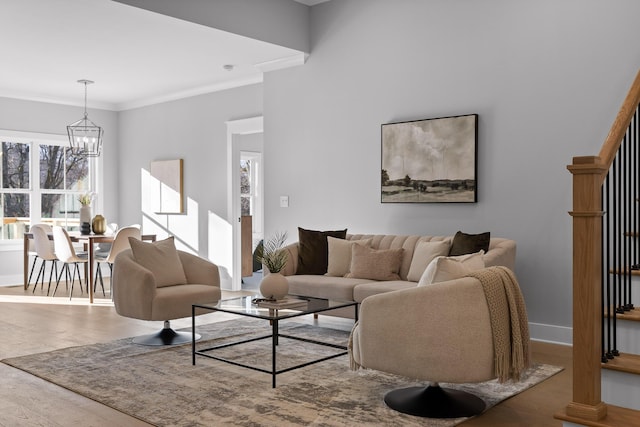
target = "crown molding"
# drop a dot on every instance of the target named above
(281, 63)
(230, 84)
(60, 101)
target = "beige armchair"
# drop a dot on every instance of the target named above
(140, 293)
(436, 333)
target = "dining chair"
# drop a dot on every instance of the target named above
(31, 252)
(104, 247)
(45, 251)
(119, 244)
(67, 255)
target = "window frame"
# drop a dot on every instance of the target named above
(35, 139)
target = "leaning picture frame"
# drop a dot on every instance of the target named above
(430, 160)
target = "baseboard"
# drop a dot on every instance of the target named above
(11, 280)
(551, 333)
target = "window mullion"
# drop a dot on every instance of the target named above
(35, 203)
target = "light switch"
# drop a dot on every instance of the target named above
(284, 201)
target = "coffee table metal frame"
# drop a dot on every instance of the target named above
(274, 316)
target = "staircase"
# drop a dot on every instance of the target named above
(606, 278)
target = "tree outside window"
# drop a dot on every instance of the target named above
(61, 177)
(245, 187)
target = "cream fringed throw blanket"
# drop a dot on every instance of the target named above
(509, 323)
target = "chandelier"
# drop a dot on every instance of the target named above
(85, 137)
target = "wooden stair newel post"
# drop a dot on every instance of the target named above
(588, 175)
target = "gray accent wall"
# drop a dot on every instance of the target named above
(546, 78)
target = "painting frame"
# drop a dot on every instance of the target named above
(432, 160)
(169, 183)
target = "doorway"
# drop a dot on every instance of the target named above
(251, 210)
(244, 141)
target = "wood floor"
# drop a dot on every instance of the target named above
(34, 323)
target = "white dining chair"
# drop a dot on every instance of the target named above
(31, 252)
(103, 248)
(45, 251)
(66, 254)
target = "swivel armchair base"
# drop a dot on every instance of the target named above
(434, 402)
(166, 336)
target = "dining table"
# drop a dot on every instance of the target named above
(89, 241)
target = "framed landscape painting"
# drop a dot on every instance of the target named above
(430, 161)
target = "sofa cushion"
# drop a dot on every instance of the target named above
(423, 254)
(313, 250)
(375, 264)
(443, 268)
(174, 302)
(360, 292)
(340, 255)
(161, 258)
(311, 285)
(464, 243)
(390, 241)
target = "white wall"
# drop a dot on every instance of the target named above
(546, 78)
(192, 129)
(39, 117)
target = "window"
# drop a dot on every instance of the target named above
(40, 181)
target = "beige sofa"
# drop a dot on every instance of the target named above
(501, 252)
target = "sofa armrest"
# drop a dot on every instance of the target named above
(292, 260)
(199, 270)
(501, 252)
(439, 332)
(133, 287)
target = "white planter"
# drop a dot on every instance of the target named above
(85, 214)
(274, 286)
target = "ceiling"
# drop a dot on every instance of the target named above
(135, 57)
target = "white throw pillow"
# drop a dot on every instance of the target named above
(423, 254)
(444, 268)
(340, 255)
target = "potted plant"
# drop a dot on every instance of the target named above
(274, 285)
(86, 199)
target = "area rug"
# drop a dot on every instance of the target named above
(163, 388)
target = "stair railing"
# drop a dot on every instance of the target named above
(620, 226)
(598, 187)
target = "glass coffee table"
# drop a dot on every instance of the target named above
(273, 313)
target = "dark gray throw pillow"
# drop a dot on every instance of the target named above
(469, 243)
(313, 250)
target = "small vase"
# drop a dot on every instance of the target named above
(274, 286)
(99, 224)
(85, 228)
